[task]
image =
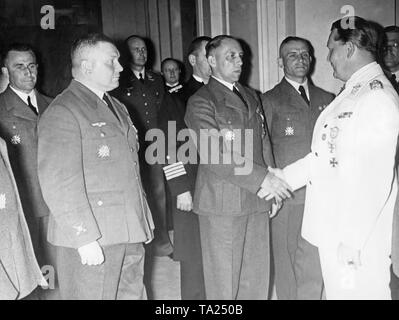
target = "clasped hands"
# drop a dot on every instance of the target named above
(274, 186)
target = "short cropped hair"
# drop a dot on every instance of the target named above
(391, 29)
(20, 47)
(365, 35)
(86, 42)
(215, 43)
(195, 45)
(134, 36)
(169, 59)
(292, 38)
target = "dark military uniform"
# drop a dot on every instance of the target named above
(143, 101)
(180, 178)
(291, 121)
(234, 224)
(18, 127)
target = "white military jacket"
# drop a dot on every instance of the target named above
(349, 173)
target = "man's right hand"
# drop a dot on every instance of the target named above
(91, 254)
(274, 187)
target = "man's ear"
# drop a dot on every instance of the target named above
(212, 61)
(350, 49)
(280, 63)
(192, 59)
(4, 70)
(87, 66)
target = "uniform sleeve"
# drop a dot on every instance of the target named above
(367, 171)
(297, 174)
(60, 169)
(200, 117)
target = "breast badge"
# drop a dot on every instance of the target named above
(229, 135)
(16, 139)
(356, 88)
(2, 201)
(79, 229)
(376, 84)
(289, 131)
(103, 152)
(98, 124)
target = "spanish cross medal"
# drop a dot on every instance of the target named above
(103, 151)
(229, 136)
(16, 139)
(289, 131)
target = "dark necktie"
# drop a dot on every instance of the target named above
(141, 77)
(394, 77)
(303, 94)
(235, 90)
(110, 106)
(30, 105)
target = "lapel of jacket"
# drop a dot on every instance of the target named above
(42, 103)
(225, 96)
(96, 104)
(17, 106)
(294, 97)
(249, 99)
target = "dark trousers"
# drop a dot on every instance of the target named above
(154, 186)
(119, 277)
(296, 261)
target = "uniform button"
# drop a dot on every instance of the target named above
(148, 121)
(310, 182)
(146, 112)
(100, 203)
(132, 149)
(145, 103)
(137, 177)
(316, 154)
(135, 163)
(326, 125)
(229, 122)
(143, 94)
(102, 134)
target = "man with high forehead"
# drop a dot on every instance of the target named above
(291, 109)
(349, 173)
(21, 105)
(90, 177)
(234, 222)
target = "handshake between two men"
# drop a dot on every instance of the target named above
(275, 186)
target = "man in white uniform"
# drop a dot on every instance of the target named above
(349, 174)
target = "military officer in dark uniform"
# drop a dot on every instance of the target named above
(142, 91)
(391, 61)
(20, 108)
(200, 65)
(291, 109)
(171, 72)
(391, 54)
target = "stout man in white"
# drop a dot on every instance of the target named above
(349, 173)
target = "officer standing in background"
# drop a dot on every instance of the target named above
(291, 109)
(200, 65)
(20, 108)
(142, 91)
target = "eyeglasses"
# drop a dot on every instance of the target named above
(32, 67)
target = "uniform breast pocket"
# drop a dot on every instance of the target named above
(288, 125)
(229, 119)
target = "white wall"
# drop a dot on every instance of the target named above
(314, 19)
